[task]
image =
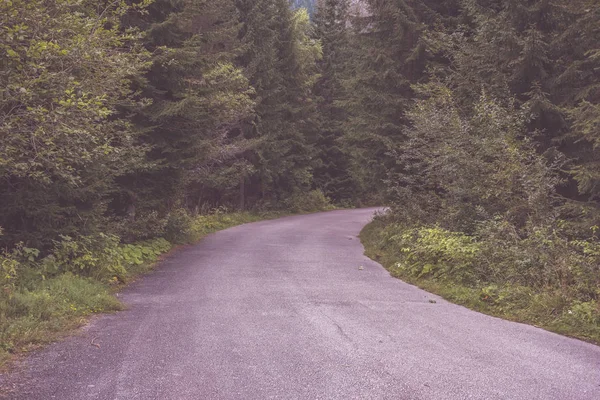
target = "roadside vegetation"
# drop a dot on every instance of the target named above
(519, 281)
(46, 296)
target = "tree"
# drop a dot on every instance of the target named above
(387, 57)
(459, 171)
(199, 100)
(280, 61)
(333, 173)
(541, 53)
(64, 71)
(579, 84)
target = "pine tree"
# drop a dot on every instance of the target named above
(508, 52)
(333, 173)
(542, 55)
(579, 85)
(199, 100)
(388, 57)
(280, 60)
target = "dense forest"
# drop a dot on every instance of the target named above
(476, 121)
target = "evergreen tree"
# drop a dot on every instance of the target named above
(333, 173)
(280, 60)
(199, 100)
(579, 85)
(387, 57)
(541, 54)
(506, 51)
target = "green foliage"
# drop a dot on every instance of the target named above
(280, 58)
(145, 225)
(64, 73)
(540, 55)
(332, 174)
(179, 226)
(542, 280)
(460, 171)
(10, 266)
(311, 201)
(93, 256)
(384, 58)
(33, 316)
(120, 119)
(100, 257)
(545, 258)
(199, 99)
(437, 253)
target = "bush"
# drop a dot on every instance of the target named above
(97, 256)
(10, 267)
(311, 201)
(141, 254)
(179, 226)
(436, 253)
(145, 226)
(100, 257)
(540, 278)
(542, 257)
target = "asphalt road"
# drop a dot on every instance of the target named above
(282, 310)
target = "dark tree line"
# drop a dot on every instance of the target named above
(117, 117)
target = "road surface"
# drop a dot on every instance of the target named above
(283, 310)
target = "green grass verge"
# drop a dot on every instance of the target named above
(39, 314)
(546, 309)
(37, 311)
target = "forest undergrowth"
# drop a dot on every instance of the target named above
(489, 275)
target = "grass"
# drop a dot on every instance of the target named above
(37, 315)
(547, 309)
(38, 311)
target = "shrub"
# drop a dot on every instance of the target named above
(100, 257)
(311, 201)
(9, 269)
(437, 253)
(541, 257)
(145, 226)
(145, 253)
(179, 226)
(97, 256)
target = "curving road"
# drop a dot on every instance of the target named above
(282, 310)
